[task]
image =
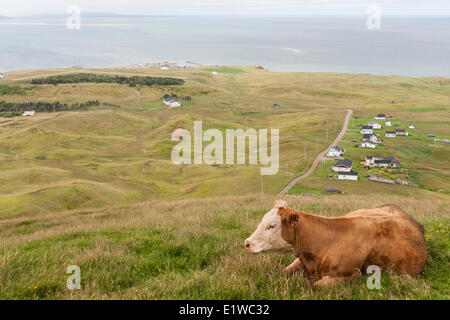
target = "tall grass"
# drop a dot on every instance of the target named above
(193, 249)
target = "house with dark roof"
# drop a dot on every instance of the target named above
(390, 134)
(171, 102)
(380, 116)
(342, 165)
(366, 130)
(390, 162)
(370, 137)
(351, 175)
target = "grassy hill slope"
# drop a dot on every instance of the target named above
(97, 187)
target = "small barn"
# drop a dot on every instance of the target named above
(333, 190)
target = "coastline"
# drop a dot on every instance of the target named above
(174, 66)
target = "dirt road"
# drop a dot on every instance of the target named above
(320, 156)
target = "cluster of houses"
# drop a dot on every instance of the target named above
(370, 138)
(163, 65)
(343, 167)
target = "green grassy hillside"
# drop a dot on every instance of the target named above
(97, 187)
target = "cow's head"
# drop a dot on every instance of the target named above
(267, 236)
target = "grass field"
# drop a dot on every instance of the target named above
(97, 188)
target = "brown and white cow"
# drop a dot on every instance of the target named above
(333, 250)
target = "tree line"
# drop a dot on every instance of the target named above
(187, 99)
(102, 78)
(11, 109)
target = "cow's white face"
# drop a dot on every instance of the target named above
(267, 235)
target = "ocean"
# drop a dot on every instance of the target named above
(410, 46)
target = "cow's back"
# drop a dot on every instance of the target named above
(396, 238)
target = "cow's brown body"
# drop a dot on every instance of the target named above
(332, 250)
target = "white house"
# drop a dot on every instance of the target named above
(171, 102)
(388, 123)
(410, 126)
(371, 159)
(370, 137)
(335, 151)
(401, 132)
(368, 144)
(352, 175)
(374, 125)
(380, 116)
(367, 130)
(390, 134)
(29, 113)
(1, 76)
(343, 165)
(215, 73)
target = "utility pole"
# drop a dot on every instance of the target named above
(262, 185)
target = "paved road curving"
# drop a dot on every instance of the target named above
(320, 156)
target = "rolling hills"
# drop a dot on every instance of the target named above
(97, 188)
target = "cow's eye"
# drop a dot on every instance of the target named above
(270, 226)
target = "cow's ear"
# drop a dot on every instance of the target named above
(293, 219)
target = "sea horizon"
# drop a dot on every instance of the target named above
(403, 46)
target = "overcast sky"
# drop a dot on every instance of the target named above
(154, 7)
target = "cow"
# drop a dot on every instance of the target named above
(332, 250)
